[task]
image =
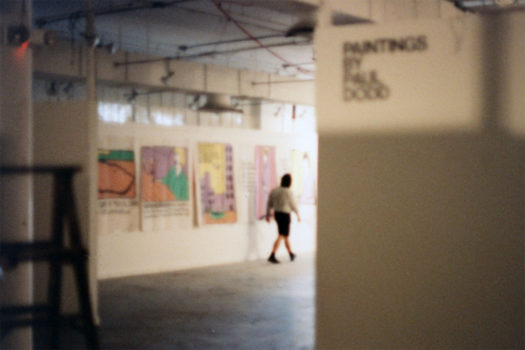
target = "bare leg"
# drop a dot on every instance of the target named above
(287, 245)
(272, 258)
(276, 244)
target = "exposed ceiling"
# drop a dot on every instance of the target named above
(249, 34)
(264, 35)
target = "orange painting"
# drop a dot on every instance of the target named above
(116, 174)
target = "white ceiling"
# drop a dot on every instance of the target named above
(246, 34)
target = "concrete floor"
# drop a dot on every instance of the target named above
(252, 305)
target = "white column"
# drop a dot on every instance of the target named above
(15, 146)
(91, 167)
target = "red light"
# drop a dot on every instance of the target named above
(20, 51)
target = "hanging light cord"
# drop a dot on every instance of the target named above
(217, 4)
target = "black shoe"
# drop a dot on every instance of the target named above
(292, 256)
(272, 259)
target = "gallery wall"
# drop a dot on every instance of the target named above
(70, 131)
(137, 245)
(142, 234)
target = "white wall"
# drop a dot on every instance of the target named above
(281, 117)
(140, 252)
(421, 230)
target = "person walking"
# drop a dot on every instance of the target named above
(282, 202)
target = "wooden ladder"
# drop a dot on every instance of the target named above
(57, 253)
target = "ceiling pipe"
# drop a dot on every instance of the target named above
(228, 16)
(133, 94)
(288, 65)
(232, 41)
(248, 21)
(281, 81)
(208, 53)
(42, 21)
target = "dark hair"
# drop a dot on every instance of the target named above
(286, 180)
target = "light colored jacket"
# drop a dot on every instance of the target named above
(281, 199)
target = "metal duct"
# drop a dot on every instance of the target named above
(218, 103)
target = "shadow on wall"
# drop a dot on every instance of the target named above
(253, 251)
(430, 229)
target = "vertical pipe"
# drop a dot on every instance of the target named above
(90, 52)
(90, 164)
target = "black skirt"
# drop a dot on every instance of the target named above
(283, 223)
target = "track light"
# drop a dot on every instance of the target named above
(169, 73)
(164, 79)
(17, 35)
(111, 48)
(194, 103)
(131, 96)
(52, 88)
(68, 89)
(92, 40)
(50, 38)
